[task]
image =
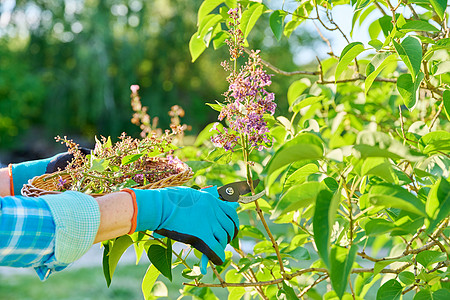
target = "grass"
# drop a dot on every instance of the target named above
(89, 283)
(84, 283)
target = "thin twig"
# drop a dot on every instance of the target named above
(439, 266)
(316, 282)
(380, 8)
(295, 274)
(436, 116)
(401, 122)
(281, 72)
(222, 282)
(250, 276)
(411, 8)
(351, 289)
(331, 53)
(409, 289)
(439, 245)
(360, 77)
(408, 246)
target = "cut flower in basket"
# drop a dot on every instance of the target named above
(110, 167)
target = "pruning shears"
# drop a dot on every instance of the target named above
(233, 192)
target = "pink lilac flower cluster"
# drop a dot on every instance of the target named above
(247, 100)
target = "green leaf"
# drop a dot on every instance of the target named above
(407, 278)
(380, 167)
(193, 273)
(131, 158)
(196, 46)
(300, 175)
(300, 253)
(295, 90)
(323, 221)
(376, 65)
(439, 7)
(276, 21)
(390, 290)
(220, 38)
(119, 246)
(376, 44)
(250, 231)
(379, 144)
(297, 197)
(305, 100)
(219, 156)
(207, 133)
(423, 295)
(99, 165)
(388, 195)
(290, 27)
(380, 265)
(250, 16)
(236, 293)
(442, 68)
(216, 106)
(441, 294)
(208, 23)
(289, 291)
(374, 30)
(360, 4)
(429, 257)
(198, 165)
(418, 26)
(206, 7)
(341, 265)
(108, 143)
(105, 261)
(304, 146)
(408, 88)
(435, 141)
(363, 283)
(149, 281)
(161, 258)
(350, 52)
(446, 99)
(386, 25)
(438, 203)
(410, 51)
(378, 226)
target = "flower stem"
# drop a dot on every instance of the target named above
(260, 213)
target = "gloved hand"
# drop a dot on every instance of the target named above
(195, 217)
(22, 172)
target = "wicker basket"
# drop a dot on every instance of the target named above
(47, 184)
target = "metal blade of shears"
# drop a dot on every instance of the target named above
(233, 192)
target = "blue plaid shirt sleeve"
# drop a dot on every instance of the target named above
(27, 235)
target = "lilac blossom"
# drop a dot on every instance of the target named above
(61, 183)
(139, 177)
(247, 102)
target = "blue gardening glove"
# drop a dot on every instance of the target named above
(22, 172)
(195, 217)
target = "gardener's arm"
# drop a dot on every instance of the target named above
(4, 183)
(51, 231)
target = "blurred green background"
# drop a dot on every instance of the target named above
(66, 67)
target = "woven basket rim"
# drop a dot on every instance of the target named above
(31, 190)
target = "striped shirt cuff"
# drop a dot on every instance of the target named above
(77, 218)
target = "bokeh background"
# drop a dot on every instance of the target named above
(66, 67)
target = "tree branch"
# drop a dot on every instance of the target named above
(316, 282)
(295, 274)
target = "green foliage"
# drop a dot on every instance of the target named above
(359, 163)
